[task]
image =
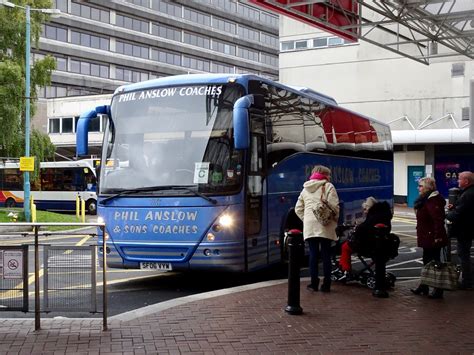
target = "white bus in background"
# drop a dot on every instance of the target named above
(57, 188)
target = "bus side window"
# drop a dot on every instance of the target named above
(67, 181)
(47, 176)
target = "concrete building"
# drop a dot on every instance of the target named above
(427, 106)
(100, 45)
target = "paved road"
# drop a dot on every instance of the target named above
(132, 289)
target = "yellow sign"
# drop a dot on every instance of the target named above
(27, 164)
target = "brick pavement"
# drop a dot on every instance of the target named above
(348, 320)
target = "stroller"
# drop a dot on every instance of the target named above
(388, 243)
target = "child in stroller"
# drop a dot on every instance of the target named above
(370, 239)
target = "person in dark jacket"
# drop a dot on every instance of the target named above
(351, 245)
(461, 215)
(430, 231)
(365, 240)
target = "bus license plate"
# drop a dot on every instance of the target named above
(156, 266)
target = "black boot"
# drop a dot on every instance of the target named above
(436, 294)
(420, 290)
(326, 286)
(313, 286)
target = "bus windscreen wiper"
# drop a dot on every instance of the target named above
(156, 188)
(195, 192)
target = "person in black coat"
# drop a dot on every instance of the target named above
(369, 239)
(377, 224)
(430, 230)
(461, 216)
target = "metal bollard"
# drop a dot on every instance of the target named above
(295, 250)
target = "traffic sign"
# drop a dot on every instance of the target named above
(12, 264)
(27, 164)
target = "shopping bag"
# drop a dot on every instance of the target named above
(440, 275)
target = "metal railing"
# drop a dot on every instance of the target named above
(55, 258)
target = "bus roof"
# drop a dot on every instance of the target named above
(196, 79)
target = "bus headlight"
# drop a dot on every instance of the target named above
(100, 220)
(225, 221)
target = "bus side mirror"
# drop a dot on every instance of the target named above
(82, 129)
(241, 119)
(241, 128)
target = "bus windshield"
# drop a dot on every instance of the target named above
(173, 136)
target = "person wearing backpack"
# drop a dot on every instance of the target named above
(318, 208)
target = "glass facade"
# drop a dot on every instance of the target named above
(210, 36)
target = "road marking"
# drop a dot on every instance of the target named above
(41, 239)
(404, 220)
(81, 242)
(405, 262)
(405, 235)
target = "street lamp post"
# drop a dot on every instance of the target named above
(26, 177)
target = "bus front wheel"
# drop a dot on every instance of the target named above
(10, 203)
(91, 206)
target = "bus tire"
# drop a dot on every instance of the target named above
(10, 203)
(91, 206)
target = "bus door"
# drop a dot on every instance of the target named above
(256, 218)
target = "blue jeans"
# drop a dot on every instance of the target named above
(314, 255)
(464, 253)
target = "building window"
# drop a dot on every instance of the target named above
(301, 44)
(457, 69)
(167, 57)
(269, 59)
(335, 41)
(84, 39)
(143, 3)
(167, 7)
(465, 114)
(56, 33)
(226, 5)
(320, 42)
(269, 19)
(196, 40)
(90, 12)
(61, 64)
(197, 17)
(269, 39)
(130, 75)
(248, 33)
(67, 125)
(166, 32)
(198, 64)
(223, 47)
(249, 13)
(131, 50)
(132, 23)
(221, 68)
(54, 125)
(224, 25)
(60, 5)
(287, 46)
(248, 54)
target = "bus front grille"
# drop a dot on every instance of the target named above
(159, 253)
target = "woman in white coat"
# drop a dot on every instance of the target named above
(316, 234)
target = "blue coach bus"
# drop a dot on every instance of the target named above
(202, 172)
